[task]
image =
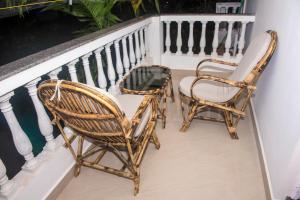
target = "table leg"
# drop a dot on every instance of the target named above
(171, 90)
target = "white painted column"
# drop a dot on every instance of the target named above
(216, 39)
(191, 38)
(131, 51)
(72, 70)
(203, 38)
(228, 39)
(142, 43)
(241, 43)
(87, 70)
(179, 39)
(125, 55)
(168, 38)
(147, 40)
(54, 73)
(110, 70)
(44, 121)
(137, 48)
(101, 76)
(21, 140)
(119, 64)
(6, 186)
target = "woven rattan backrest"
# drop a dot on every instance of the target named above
(261, 65)
(85, 110)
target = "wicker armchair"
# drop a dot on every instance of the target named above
(227, 96)
(122, 126)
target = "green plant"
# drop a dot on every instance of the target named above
(97, 13)
(136, 4)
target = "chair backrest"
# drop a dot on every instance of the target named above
(255, 58)
(90, 112)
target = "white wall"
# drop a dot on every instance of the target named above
(277, 100)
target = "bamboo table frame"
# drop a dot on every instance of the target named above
(142, 86)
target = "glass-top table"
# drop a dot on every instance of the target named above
(150, 80)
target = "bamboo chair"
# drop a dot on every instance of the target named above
(122, 126)
(227, 96)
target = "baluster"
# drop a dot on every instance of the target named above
(87, 70)
(168, 38)
(203, 38)
(54, 73)
(146, 40)
(21, 140)
(142, 43)
(131, 52)
(137, 48)
(191, 38)
(119, 64)
(101, 76)
(179, 39)
(241, 43)
(228, 40)
(216, 38)
(6, 186)
(72, 70)
(110, 70)
(125, 55)
(44, 121)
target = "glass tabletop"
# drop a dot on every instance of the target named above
(146, 78)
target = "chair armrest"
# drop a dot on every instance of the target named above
(136, 119)
(220, 80)
(226, 65)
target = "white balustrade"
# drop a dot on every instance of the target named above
(142, 43)
(6, 186)
(44, 121)
(216, 38)
(228, 40)
(137, 48)
(54, 73)
(131, 51)
(203, 38)
(110, 70)
(125, 55)
(168, 38)
(191, 38)
(101, 76)
(87, 70)
(241, 43)
(179, 39)
(119, 64)
(72, 70)
(21, 140)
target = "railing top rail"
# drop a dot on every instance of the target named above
(208, 17)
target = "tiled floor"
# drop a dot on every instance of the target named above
(203, 163)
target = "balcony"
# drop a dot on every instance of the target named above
(200, 164)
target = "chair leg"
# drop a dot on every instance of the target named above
(136, 183)
(186, 124)
(155, 139)
(229, 124)
(79, 157)
(77, 169)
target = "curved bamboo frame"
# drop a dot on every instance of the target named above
(96, 118)
(231, 112)
(161, 93)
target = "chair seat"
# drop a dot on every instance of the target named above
(211, 91)
(129, 105)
